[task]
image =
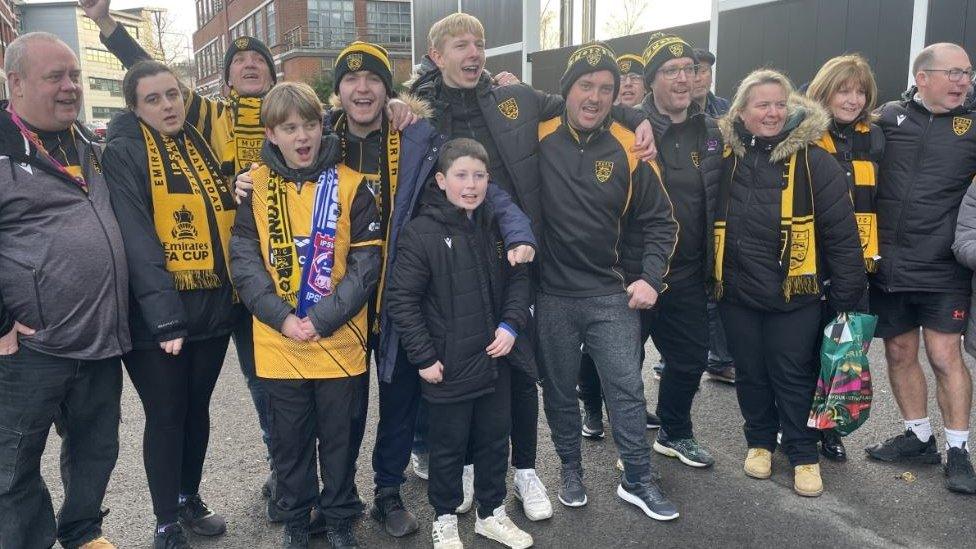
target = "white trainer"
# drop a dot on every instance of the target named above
(532, 493)
(467, 486)
(420, 464)
(501, 529)
(445, 533)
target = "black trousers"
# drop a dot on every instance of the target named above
(399, 402)
(484, 424)
(175, 393)
(332, 413)
(679, 328)
(776, 374)
(588, 385)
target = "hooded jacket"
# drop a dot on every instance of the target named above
(450, 288)
(710, 146)
(62, 262)
(753, 177)
(158, 311)
(929, 161)
(964, 250)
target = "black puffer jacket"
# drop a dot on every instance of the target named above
(752, 273)
(158, 311)
(450, 288)
(710, 145)
(928, 163)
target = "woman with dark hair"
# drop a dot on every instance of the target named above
(175, 213)
(845, 86)
(784, 220)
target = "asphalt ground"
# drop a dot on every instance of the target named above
(865, 504)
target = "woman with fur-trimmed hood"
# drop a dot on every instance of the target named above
(784, 219)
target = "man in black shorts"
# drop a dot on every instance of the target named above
(929, 161)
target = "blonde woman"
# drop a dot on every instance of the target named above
(784, 219)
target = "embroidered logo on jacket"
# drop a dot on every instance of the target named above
(603, 170)
(447, 240)
(696, 159)
(354, 61)
(961, 125)
(900, 118)
(509, 108)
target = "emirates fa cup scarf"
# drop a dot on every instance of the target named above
(865, 185)
(187, 190)
(304, 287)
(798, 245)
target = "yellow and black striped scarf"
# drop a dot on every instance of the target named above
(384, 193)
(865, 174)
(192, 206)
(798, 243)
(248, 131)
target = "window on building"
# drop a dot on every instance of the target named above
(134, 30)
(388, 22)
(102, 57)
(269, 15)
(105, 112)
(209, 59)
(113, 87)
(331, 23)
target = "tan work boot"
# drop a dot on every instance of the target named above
(98, 543)
(759, 463)
(807, 481)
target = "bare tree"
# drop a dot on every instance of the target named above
(549, 26)
(164, 40)
(626, 20)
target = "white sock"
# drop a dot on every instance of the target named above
(921, 427)
(956, 439)
(522, 473)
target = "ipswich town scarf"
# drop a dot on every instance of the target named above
(385, 194)
(798, 245)
(248, 131)
(303, 288)
(187, 191)
(865, 185)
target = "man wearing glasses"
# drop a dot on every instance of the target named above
(631, 80)
(701, 92)
(929, 161)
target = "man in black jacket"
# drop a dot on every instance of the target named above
(63, 303)
(928, 163)
(591, 188)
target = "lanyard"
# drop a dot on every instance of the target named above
(36, 141)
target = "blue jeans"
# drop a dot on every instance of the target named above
(81, 398)
(244, 343)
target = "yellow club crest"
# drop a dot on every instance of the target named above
(625, 66)
(604, 168)
(509, 108)
(799, 247)
(676, 49)
(242, 43)
(696, 159)
(354, 61)
(961, 125)
(593, 56)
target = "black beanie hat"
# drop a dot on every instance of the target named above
(364, 56)
(629, 63)
(662, 48)
(246, 43)
(591, 57)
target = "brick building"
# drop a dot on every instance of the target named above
(8, 31)
(304, 36)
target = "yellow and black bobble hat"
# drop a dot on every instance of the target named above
(661, 48)
(364, 56)
(630, 63)
(590, 57)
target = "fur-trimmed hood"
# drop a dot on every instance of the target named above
(417, 105)
(806, 122)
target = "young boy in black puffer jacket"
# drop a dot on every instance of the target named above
(462, 313)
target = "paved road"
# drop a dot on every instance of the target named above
(866, 505)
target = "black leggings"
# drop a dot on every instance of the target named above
(175, 393)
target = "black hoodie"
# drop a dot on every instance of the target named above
(158, 311)
(450, 289)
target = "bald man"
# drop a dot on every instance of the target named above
(919, 289)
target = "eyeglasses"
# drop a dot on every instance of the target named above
(631, 77)
(672, 72)
(954, 74)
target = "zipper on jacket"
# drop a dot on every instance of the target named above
(913, 174)
(115, 271)
(37, 297)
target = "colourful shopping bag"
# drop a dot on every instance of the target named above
(842, 401)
